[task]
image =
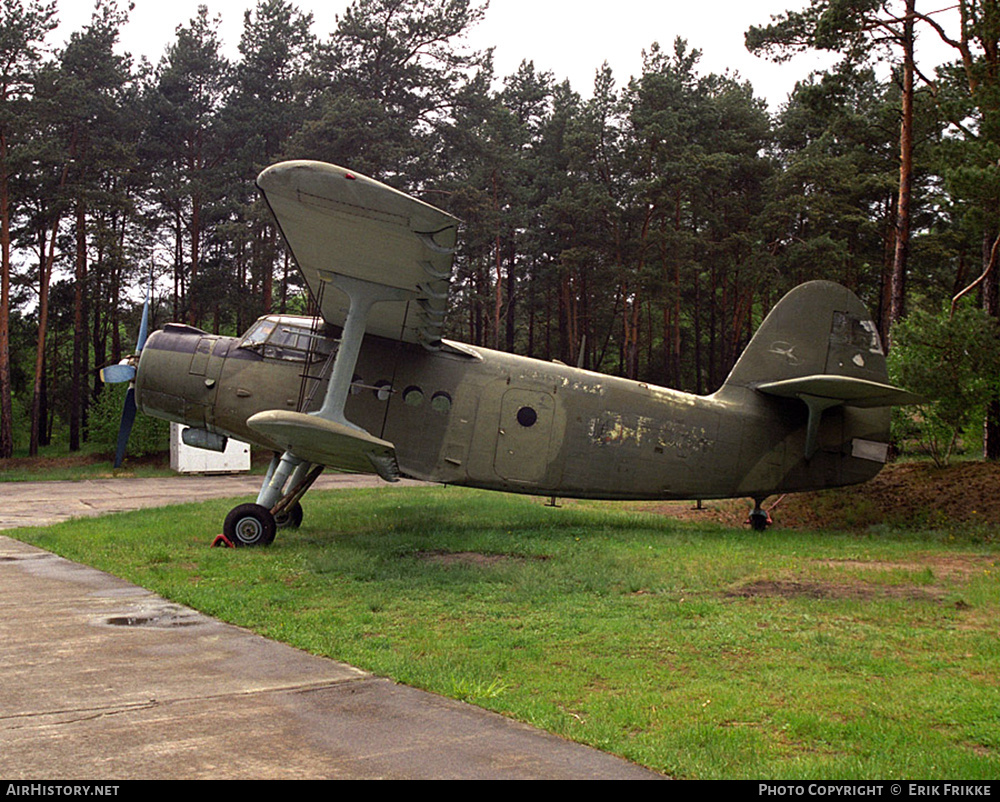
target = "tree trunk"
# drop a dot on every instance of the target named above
(6, 412)
(79, 337)
(193, 311)
(991, 304)
(509, 330)
(897, 306)
(39, 401)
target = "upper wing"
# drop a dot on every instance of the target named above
(337, 222)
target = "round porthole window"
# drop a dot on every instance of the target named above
(413, 396)
(527, 417)
(441, 402)
(383, 390)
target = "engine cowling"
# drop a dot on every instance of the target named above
(178, 374)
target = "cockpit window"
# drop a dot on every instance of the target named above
(258, 333)
(281, 339)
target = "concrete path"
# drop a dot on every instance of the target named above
(42, 503)
(103, 680)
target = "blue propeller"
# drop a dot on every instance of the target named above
(125, 371)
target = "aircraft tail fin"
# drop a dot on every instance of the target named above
(819, 329)
(819, 345)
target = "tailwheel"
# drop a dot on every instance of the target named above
(250, 525)
(760, 518)
(290, 518)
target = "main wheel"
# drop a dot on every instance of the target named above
(250, 525)
(290, 518)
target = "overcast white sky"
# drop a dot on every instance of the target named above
(571, 38)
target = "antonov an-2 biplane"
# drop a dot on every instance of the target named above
(371, 386)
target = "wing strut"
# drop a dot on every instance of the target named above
(363, 295)
(307, 441)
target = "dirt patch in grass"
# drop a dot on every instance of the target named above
(961, 567)
(858, 591)
(944, 570)
(468, 558)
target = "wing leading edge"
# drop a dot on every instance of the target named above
(339, 223)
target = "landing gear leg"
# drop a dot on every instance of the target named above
(280, 507)
(287, 510)
(760, 519)
(277, 477)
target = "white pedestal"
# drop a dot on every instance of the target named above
(186, 459)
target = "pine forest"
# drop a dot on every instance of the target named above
(641, 226)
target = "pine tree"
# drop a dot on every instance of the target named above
(23, 27)
(861, 30)
(269, 102)
(188, 145)
(394, 72)
(90, 90)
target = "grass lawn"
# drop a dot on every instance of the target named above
(697, 650)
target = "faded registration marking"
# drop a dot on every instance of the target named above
(614, 429)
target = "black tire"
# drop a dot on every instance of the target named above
(250, 525)
(290, 518)
(759, 520)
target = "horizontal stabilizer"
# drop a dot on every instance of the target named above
(326, 442)
(821, 392)
(848, 390)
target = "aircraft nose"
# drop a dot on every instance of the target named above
(171, 382)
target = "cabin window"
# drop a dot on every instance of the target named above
(413, 396)
(287, 340)
(382, 390)
(258, 333)
(441, 402)
(527, 417)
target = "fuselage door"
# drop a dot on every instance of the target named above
(522, 453)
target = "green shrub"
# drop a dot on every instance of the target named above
(953, 360)
(22, 423)
(149, 435)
